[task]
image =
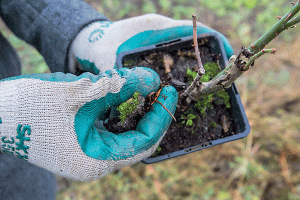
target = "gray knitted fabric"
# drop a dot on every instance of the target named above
(20, 179)
(49, 25)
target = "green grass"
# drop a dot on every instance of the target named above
(265, 165)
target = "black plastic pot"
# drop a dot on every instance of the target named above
(241, 124)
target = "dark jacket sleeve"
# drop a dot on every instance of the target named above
(48, 25)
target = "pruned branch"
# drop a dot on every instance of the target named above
(200, 68)
(225, 78)
(244, 60)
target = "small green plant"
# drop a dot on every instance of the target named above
(158, 149)
(188, 120)
(127, 107)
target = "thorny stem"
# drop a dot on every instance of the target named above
(291, 24)
(257, 55)
(246, 58)
(284, 23)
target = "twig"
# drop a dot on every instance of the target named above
(201, 71)
(168, 62)
(253, 58)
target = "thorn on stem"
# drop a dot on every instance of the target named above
(288, 16)
(273, 50)
(293, 3)
(252, 46)
(279, 17)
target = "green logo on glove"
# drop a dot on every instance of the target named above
(20, 146)
(98, 33)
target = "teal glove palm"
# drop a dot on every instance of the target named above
(95, 48)
(48, 119)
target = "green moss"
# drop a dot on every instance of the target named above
(224, 96)
(127, 107)
(191, 74)
(129, 63)
(204, 103)
(211, 70)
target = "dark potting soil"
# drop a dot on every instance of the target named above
(215, 123)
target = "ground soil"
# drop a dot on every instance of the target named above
(216, 123)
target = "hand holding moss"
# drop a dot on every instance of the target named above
(129, 114)
(49, 120)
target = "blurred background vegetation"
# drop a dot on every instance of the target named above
(266, 164)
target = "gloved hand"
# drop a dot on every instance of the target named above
(97, 45)
(48, 119)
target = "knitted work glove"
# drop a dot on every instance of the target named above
(48, 120)
(97, 45)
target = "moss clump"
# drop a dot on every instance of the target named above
(191, 74)
(211, 70)
(127, 107)
(204, 103)
(129, 63)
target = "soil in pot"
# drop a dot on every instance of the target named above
(201, 121)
